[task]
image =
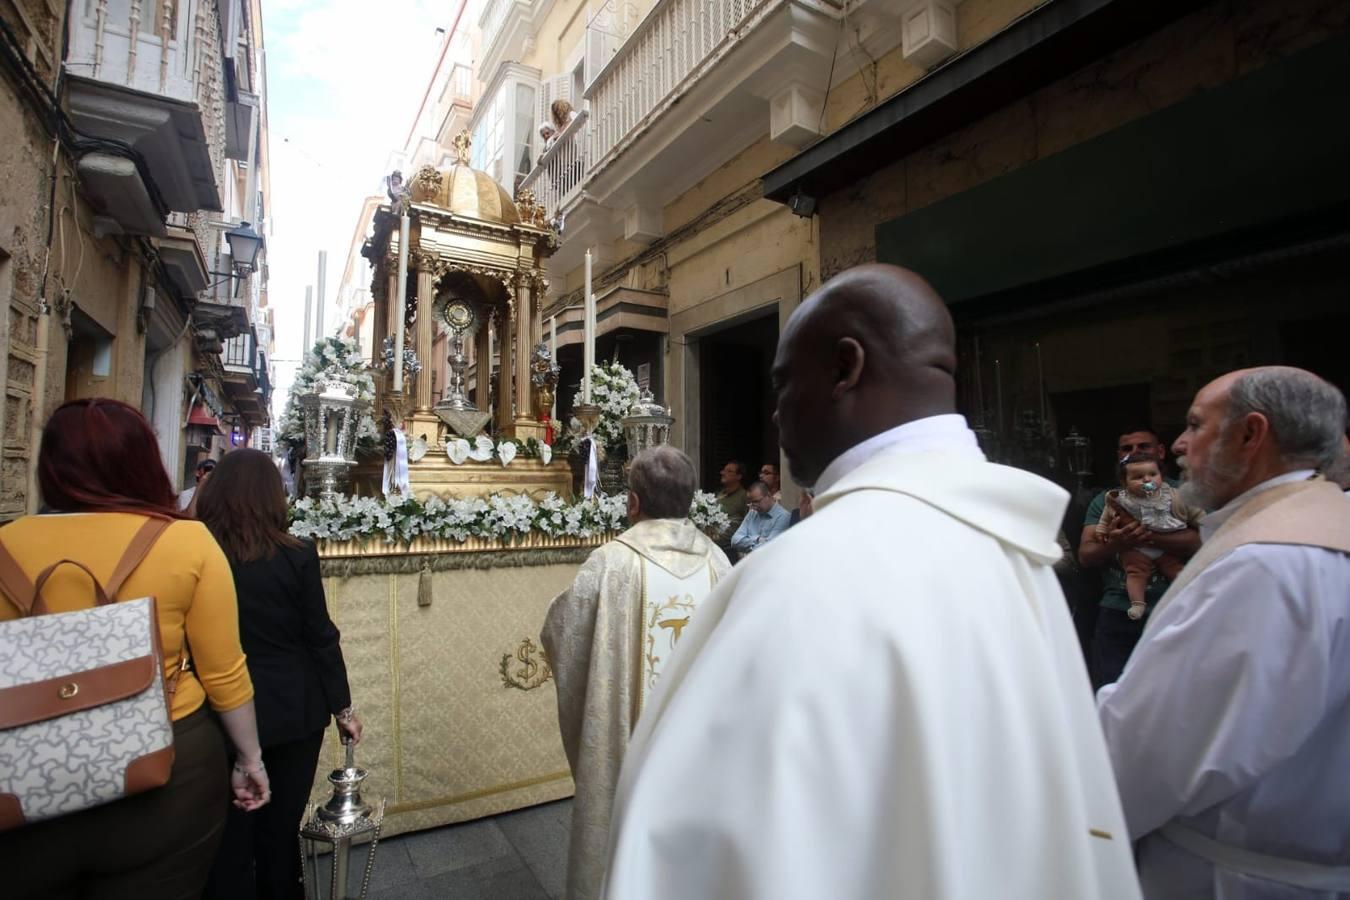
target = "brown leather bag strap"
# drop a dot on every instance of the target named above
(136, 552)
(14, 584)
(40, 606)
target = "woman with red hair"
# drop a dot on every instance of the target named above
(100, 473)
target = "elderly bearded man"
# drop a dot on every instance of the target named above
(610, 635)
(887, 701)
(1230, 726)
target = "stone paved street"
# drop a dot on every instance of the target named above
(515, 856)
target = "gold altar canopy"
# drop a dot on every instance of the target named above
(471, 248)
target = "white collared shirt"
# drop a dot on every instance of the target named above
(947, 433)
(1210, 523)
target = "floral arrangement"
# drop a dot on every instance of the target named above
(707, 513)
(484, 448)
(614, 390)
(411, 364)
(331, 359)
(504, 517)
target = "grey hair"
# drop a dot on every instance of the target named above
(1306, 414)
(759, 486)
(663, 478)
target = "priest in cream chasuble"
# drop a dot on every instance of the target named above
(610, 636)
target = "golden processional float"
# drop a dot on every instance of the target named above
(441, 635)
(473, 264)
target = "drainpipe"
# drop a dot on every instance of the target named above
(39, 411)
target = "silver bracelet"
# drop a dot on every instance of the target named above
(347, 714)
(243, 771)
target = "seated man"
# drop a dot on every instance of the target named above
(768, 473)
(731, 498)
(609, 636)
(763, 522)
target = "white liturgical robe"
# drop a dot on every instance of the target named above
(1231, 721)
(887, 701)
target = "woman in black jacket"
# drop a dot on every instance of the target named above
(294, 659)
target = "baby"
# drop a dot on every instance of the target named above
(1145, 498)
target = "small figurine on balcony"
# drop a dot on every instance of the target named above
(397, 190)
(531, 211)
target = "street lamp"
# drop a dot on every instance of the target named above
(244, 246)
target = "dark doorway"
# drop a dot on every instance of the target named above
(735, 396)
(1101, 415)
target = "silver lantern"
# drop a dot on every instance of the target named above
(1077, 452)
(333, 829)
(331, 414)
(646, 425)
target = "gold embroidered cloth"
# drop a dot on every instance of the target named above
(456, 698)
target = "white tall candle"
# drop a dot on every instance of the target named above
(400, 302)
(588, 356)
(553, 352)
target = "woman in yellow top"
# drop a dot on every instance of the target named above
(101, 477)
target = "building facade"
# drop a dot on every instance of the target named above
(1119, 202)
(129, 162)
(722, 158)
(679, 107)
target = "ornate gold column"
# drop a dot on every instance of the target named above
(392, 305)
(379, 318)
(526, 424)
(426, 297)
(505, 321)
(524, 316)
(482, 354)
(424, 422)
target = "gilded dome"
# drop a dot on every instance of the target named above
(464, 192)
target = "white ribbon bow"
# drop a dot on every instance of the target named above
(592, 471)
(396, 469)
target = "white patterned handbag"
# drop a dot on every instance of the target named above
(84, 708)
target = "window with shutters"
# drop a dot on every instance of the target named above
(506, 140)
(525, 132)
(558, 87)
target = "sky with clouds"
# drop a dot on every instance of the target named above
(344, 79)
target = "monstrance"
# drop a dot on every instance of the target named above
(462, 320)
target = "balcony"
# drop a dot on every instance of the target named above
(213, 324)
(561, 171)
(140, 73)
(180, 251)
(241, 124)
(695, 83)
(455, 107)
(508, 25)
(246, 380)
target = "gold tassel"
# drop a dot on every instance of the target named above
(424, 585)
